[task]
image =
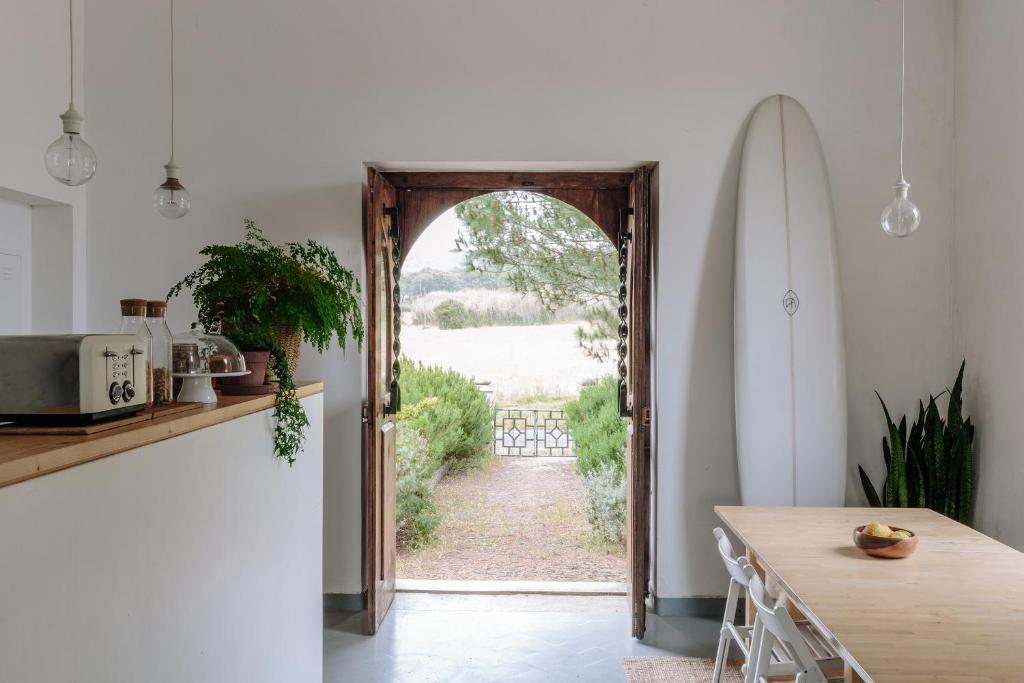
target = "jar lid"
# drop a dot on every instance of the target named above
(156, 309)
(136, 307)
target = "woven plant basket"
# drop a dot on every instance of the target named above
(290, 339)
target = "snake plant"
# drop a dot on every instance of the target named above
(932, 464)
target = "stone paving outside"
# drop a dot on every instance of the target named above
(514, 518)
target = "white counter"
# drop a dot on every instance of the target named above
(195, 558)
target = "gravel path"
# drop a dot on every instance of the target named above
(516, 519)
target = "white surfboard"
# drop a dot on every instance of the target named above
(790, 364)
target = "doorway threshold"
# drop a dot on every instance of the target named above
(511, 587)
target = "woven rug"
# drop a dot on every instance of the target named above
(675, 670)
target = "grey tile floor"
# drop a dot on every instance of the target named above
(479, 639)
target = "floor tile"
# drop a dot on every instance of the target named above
(526, 639)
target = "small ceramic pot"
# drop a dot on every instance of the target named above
(256, 364)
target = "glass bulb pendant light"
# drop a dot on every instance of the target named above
(171, 199)
(901, 217)
(69, 159)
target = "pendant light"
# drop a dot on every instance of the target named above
(901, 217)
(171, 199)
(70, 159)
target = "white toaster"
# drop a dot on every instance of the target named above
(71, 379)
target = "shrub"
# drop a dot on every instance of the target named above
(459, 423)
(598, 433)
(605, 504)
(415, 512)
(452, 315)
(412, 452)
(416, 515)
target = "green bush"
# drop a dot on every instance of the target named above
(452, 315)
(416, 515)
(412, 451)
(598, 433)
(605, 504)
(459, 424)
(415, 512)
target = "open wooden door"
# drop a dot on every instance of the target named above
(635, 386)
(382, 258)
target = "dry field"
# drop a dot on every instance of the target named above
(518, 360)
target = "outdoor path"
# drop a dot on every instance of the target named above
(514, 518)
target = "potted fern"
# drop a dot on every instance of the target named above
(931, 464)
(266, 297)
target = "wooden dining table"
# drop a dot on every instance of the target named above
(952, 611)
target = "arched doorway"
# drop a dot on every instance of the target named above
(508, 435)
(399, 207)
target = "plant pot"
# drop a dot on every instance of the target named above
(256, 364)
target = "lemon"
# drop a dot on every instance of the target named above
(878, 529)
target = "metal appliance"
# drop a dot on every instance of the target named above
(71, 379)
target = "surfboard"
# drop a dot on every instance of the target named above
(789, 356)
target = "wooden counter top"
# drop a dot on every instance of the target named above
(27, 456)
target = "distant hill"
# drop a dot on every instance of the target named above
(431, 280)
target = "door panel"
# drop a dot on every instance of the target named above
(638, 383)
(380, 428)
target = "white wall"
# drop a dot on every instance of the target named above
(53, 267)
(15, 268)
(34, 82)
(279, 104)
(989, 243)
(184, 560)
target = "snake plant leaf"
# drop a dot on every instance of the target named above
(967, 475)
(888, 462)
(953, 471)
(869, 489)
(915, 475)
(936, 449)
(954, 418)
(896, 493)
(931, 463)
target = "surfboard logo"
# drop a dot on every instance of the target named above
(790, 302)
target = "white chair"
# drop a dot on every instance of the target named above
(807, 653)
(731, 633)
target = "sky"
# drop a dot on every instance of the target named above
(435, 247)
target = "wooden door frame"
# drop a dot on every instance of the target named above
(422, 196)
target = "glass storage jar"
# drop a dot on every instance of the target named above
(133, 321)
(156, 322)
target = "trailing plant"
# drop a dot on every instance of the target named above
(931, 464)
(248, 290)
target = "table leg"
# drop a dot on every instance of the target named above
(849, 675)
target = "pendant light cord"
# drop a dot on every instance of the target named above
(71, 45)
(172, 83)
(903, 69)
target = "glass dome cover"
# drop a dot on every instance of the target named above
(197, 352)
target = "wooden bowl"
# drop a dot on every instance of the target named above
(889, 548)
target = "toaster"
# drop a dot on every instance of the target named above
(72, 379)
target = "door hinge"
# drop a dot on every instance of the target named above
(365, 414)
(645, 417)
